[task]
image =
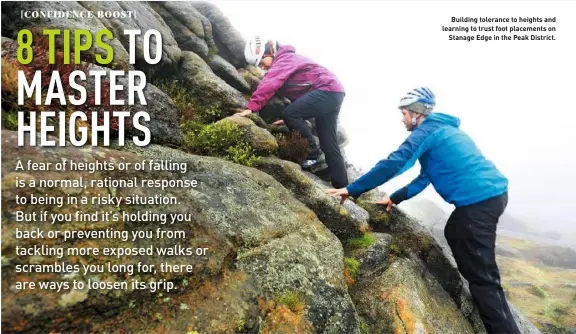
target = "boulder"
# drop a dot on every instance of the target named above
(347, 221)
(207, 88)
(229, 41)
(252, 79)
(192, 30)
(145, 19)
(415, 241)
(524, 325)
(9, 48)
(255, 71)
(342, 137)
(373, 258)
(262, 142)
(373, 195)
(254, 117)
(229, 73)
(405, 299)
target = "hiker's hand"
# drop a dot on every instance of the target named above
(245, 112)
(387, 202)
(338, 192)
(278, 122)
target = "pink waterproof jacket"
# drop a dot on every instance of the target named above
(292, 76)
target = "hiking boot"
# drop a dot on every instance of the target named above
(311, 163)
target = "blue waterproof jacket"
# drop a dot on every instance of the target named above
(449, 160)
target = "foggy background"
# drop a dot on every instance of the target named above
(516, 99)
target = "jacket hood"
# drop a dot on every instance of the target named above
(285, 49)
(444, 118)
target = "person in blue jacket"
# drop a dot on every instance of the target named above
(460, 173)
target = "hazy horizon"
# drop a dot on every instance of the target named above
(512, 97)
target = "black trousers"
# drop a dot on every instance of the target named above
(471, 234)
(324, 107)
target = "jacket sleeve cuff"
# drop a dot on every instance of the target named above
(399, 196)
(353, 190)
(253, 106)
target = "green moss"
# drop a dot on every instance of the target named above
(381, 217)
(416, 242)
(538, 291)
(352, 266)
(378, 214)
(293, 300)
(192, 128)
(364, 328)
(10, 121)
(242, 154)
(210, 113)
(396, 250)
(364, 241)
(177, 92)
(212, 51)
(222, 139)
(425, 243)
(240, 325)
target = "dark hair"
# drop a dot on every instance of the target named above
(419, 108)
(270, 48)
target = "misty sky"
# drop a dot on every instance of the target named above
(514, 98)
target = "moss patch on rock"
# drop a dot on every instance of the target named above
(293, 300)
(351, 270)
(364, 241)
(220, 139)
(262, 142)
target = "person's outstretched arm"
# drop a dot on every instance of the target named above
(396, 163)
(412, 189)
(281, 70)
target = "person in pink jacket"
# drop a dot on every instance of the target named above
(314, 91)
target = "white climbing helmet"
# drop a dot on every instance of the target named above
(423, 95)
(257, 47)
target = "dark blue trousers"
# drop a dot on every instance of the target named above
(324, 107)
(471, 234)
